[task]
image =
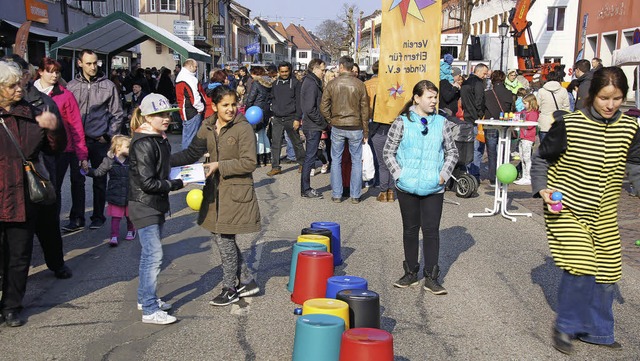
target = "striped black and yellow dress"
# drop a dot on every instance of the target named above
(584, 237)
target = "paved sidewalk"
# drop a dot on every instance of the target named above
(501, 280)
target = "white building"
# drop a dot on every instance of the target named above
(162, 14)
(554, 24)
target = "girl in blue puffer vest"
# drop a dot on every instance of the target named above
(420, 153)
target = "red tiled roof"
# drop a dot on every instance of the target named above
(277, 26)
(301, 38)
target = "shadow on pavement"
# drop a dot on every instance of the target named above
(547, 276)
(454, 241)
(109, 270)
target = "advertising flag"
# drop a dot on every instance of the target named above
(409, 51)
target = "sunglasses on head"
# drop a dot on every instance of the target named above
(424, 122)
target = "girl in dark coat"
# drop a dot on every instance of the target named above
(230, 204)
(116, 164)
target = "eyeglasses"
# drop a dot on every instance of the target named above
(425, 122)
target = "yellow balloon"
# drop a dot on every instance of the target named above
(194, 199)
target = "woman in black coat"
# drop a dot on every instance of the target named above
(165, 85)
(260, 95)
(497, 100)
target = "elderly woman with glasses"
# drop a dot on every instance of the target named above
(420, 153)
(34, 131)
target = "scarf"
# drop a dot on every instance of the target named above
(38, 86)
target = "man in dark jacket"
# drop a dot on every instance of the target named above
(102, 114)
(472, 97)
(285, 106)
(313, 123)
(583, 72)
(450, 92)
(472, 94)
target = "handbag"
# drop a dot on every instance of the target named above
(480, 136)
(368, 167)
(40, 189)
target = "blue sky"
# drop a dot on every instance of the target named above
(308, 13)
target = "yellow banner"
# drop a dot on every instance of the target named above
(409, 52)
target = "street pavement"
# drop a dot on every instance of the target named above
(501, 280)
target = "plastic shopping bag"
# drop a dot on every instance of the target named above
(368, 168)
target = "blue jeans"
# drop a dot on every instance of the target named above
(541, 135)
(585, 308)
(491, 144)
(338, 137)
(291, 153)
(150, 261)
(478, 151)
(189, 129)
(313, 140)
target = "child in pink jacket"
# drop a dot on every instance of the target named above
(527, 138)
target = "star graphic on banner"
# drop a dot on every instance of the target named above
(395, 91)
(411, 7)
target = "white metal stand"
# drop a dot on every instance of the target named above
(504, 154)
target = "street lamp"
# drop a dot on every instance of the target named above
(503, 30)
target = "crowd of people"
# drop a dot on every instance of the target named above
(318, 115)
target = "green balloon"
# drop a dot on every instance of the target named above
(507, 173)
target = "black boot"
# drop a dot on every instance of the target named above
(258, 157)
(410, 277)
(431, 282)
(267, 159)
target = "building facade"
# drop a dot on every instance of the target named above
(609, 26)
(369, 47)
(163, 13)
(307, 47)
(54, 20)
(553, 29)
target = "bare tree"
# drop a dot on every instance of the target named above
(333, 34)
(466, 8)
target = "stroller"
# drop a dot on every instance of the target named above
(463, 183)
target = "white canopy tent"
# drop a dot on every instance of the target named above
(629, 56)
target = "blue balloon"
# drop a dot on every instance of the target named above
(253, 115)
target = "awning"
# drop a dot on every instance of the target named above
(38, 31)
(119, 32)
(627, 56)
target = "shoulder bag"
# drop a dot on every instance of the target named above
(40, 189)
(554, 99)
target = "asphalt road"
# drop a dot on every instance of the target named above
(501, 281)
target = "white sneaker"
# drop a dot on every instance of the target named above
(163, 305)
(325, 168)
(313, 172)
(523, 182)
(159, 318)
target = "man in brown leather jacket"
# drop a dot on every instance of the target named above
(345, 105)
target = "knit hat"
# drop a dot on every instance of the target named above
(156, 103)
(448, 58)
(456, 71)
(512, 71)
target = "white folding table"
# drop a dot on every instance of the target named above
(504, 152)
